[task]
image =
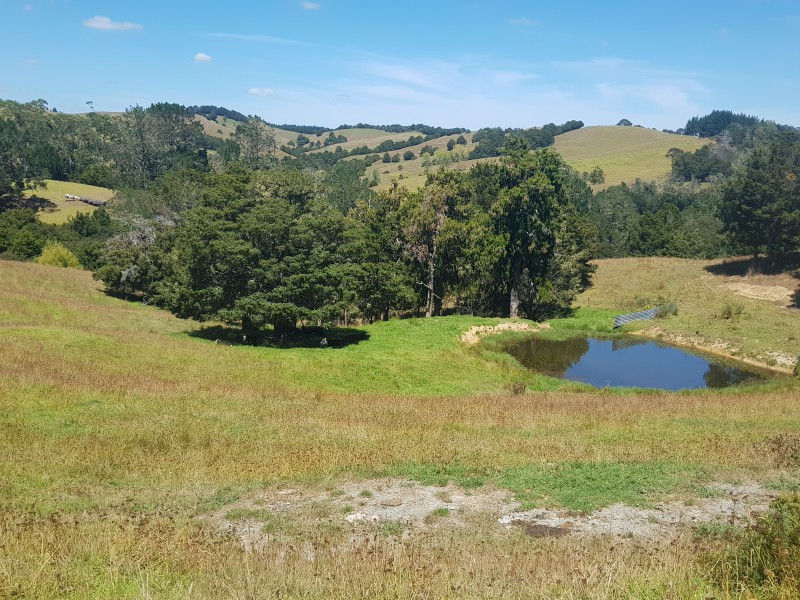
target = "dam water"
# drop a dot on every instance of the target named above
(630, 362)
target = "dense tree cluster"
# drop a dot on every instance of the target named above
(645, 219)
(491, 141)
(716, 122)
(702, 165)
(427, 130)
(213, 112)
(280, 246)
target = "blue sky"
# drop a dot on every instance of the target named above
(440, 62)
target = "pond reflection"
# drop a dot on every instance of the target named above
(628, 362)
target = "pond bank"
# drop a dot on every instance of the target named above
(784, 363)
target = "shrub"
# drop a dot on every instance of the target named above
(732, 310)
(666, 310)
(56, 254)
(516, 388)
(766, 559)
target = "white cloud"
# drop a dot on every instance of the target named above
(108, 25)
(202, 57)
(310, 5)
(27, 7)
(260, 91)
(523, 22)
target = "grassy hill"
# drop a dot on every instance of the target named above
(55, 208)
(624, 153)
(141, 460)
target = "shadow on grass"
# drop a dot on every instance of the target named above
(742, 266)
(308, 337)
(33, 203)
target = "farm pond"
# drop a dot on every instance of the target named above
(631, 362)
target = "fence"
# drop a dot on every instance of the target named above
(644, 315)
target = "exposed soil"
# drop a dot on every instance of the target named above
(774, 293)
(779, 362)
(473, 335)
(407, 507)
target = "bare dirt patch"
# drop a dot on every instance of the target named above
(772, 293)
(729, 504)
(473, 335)
(403, 507)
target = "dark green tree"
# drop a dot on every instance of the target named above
(761, 202)
(527, 216)
(256, 143)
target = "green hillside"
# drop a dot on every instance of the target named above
(624, 153)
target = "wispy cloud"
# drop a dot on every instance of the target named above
(511, 77)
(672, 96)
(523, 22)
(202, 57)
(592, 64)
(266, 39)
(310, 5)
(108, 25)
(27, 7)
(260, 91)
(420, 77)
(31, 62)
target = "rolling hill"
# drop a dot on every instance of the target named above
(624, 153)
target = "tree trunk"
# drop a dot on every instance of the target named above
(249, 331)
(429, 307)
(283, 328)
(516, 275)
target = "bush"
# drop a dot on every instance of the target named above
(55, 254)
(731, 310)
(666, 310)
(766, 559)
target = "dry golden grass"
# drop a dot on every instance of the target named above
(624, 153)
(159, 557)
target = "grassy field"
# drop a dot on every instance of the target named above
(624, 153)
(122, 432)
(57, 209)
